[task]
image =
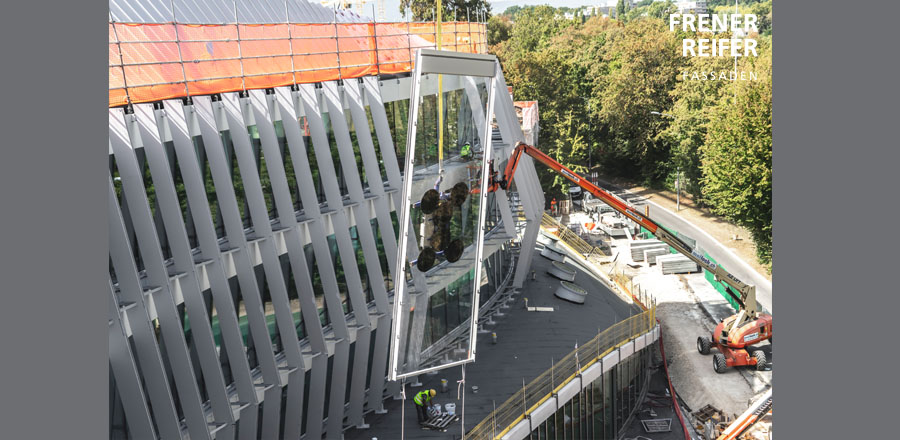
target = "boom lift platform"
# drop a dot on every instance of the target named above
(735, 334)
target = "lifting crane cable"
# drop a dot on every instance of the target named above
(440, 96)
(461, 385)
(402, 408)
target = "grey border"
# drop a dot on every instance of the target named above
(836, 153)
(53, 180)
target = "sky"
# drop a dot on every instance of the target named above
(392, 7)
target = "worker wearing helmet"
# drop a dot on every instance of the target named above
(422, 399)
(466, 152)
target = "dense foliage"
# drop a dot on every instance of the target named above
(423, 10)
(613, 99)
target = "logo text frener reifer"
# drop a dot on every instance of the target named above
(737, 24)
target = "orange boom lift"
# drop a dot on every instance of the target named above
(735, 334)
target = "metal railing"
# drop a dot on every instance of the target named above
(532, 395)
(570, 238)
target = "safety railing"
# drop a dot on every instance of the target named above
(156, 61)
(532, 395)
(570, 238)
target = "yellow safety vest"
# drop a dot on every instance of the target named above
(422, 397)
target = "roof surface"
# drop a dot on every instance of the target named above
(223, 11)
(528, 342)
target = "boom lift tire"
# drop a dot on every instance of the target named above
(719, 363)
(760, 357)
(703, 344)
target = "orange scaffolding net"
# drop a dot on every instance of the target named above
(153, 62)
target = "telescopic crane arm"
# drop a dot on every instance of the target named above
(743, 293)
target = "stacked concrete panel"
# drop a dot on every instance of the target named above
(637, 248)
(676, 263)
(651, 254)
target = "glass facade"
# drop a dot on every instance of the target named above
(447, 309)
(601, 410)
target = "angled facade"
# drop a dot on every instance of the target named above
(254, 233)
(252, 243)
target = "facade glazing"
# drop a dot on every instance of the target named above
(252, 245)
(601, 410)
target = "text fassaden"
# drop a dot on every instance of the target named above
(714, 23)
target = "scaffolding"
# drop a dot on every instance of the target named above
(151, 62)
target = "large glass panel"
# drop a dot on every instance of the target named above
(318, 290)
(597, 407)
(397, 114)
(609, 426)
(339, 273)
(446, 182)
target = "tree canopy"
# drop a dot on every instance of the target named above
(614, 99)
(423, 10)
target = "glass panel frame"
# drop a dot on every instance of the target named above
(404, 358)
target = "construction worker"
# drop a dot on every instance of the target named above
(466, 152)
(553, 206)
(422, 399)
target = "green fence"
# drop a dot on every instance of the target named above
(719, 286)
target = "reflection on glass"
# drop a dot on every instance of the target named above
(445, 204)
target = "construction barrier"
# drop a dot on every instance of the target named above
(156, 61)
(719, 286)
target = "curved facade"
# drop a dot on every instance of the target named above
(602, 408)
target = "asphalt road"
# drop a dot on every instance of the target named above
(719, 252)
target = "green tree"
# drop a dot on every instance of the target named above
(534, 28)
(690, 115)
(639, 73)
(512, 11)
(620, 9)
(499, 28)
(660, 9)
(424, 10)
(737, 155)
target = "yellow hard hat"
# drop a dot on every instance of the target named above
(432, 392)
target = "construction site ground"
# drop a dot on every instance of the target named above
(688, 307)
(722, 230)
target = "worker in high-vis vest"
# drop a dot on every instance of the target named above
(466, 152)
(422, 399)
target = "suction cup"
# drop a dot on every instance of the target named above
(430, 201)
(459, 193)
(426, 259)
(454, 250)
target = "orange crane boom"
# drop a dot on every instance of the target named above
(743, 293)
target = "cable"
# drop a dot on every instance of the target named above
(402, 408)
(462, 383)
